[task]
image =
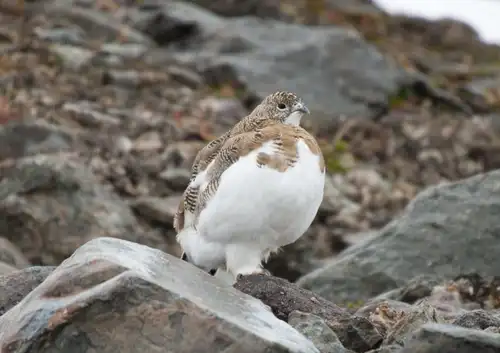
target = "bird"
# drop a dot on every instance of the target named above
(253, 190)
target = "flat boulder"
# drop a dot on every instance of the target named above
(113, 295)
(447, 230)
(445, 338)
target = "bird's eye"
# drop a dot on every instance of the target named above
(281, 106)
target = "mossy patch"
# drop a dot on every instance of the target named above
(354, 305)
(338, 159)
(401, 97)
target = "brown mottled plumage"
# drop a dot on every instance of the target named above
(284, 140)
(275, 108)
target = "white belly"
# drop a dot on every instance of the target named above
(262, 206)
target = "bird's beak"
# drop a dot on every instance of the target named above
(301, 107)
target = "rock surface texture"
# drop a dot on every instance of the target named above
(112, 295)
(446, 230)
(355, 333)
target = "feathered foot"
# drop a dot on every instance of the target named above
(244, 260)
(262, 271)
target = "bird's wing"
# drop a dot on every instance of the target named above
(190, 195)
(242, 144)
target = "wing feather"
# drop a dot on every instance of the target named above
(236, 147)
(190, 195)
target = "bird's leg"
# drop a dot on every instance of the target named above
(242, 259)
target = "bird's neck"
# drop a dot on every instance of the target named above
(294, 118)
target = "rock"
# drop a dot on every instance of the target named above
(493, 329)
(51, 205)
(407, 322)
(333, 69)
(388, 309)
(73, 36)
(447, 302)
(83, 113)
(445, 231)
(306, 254)
(187, 77)
(387, 349)
(367, 177)
(5, 269)
(125, 78)
(317, 331)
(11, 255)
(336, 196)
(176, 178)
(96, 24)
(72, 57)
(27, 138)
(124, 50)
(16, 285)
(265, 9)
(161, 26)
(156, 209)
(125, 297)
(477, 319)
(222, 113)
(417, 288)
(395, 321)
(451, 298)
(482, 93)
(357, 6)
(149, 141)
(442, 338)
(355, 333)
(180, 154)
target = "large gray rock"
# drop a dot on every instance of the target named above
(445, 231)
(477, 319)
(333, 69)
(316, 329)
(112, 295)
(441, 338)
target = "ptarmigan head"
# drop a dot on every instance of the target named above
(285, 107)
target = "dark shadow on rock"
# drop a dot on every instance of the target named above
(355, 333)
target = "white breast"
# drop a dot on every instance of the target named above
(260, 205)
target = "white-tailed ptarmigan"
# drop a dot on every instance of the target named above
(253, 190)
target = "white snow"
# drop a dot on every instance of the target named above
(482, 15)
